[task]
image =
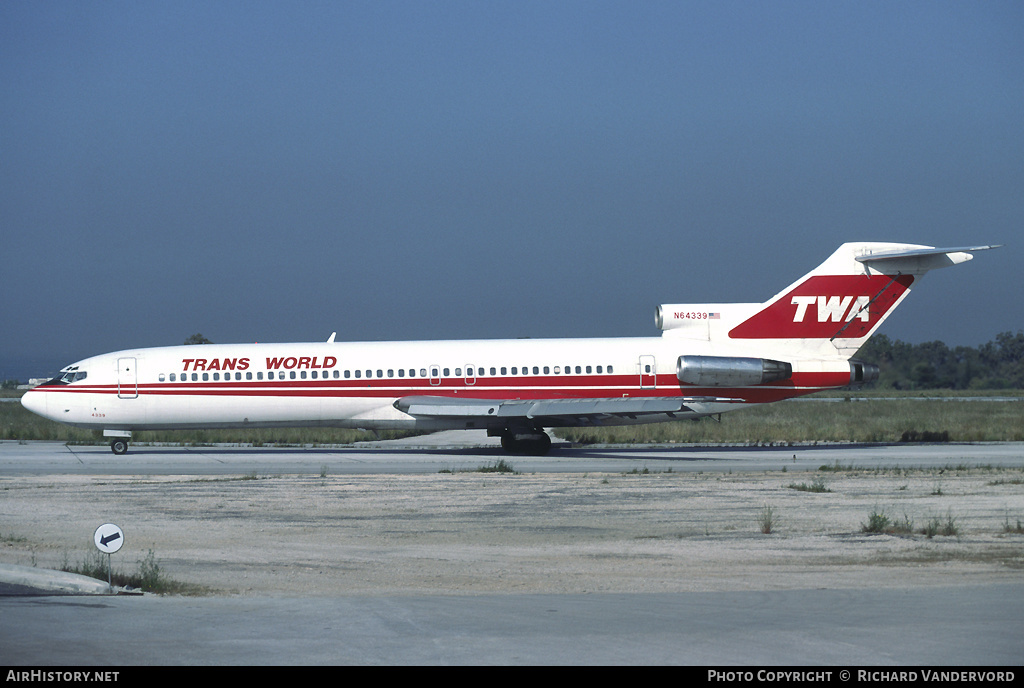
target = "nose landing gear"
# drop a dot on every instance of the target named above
(119, 440)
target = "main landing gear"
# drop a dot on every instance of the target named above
(119, 446)
(532, 442)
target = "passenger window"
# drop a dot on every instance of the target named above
(504, 370)
(558, 369)
(599, 370)
(292, 375)
(359, 373)
(259, 376)
(401, 372)
(161, 377)
(446, 372)
(546, 370)
(206, 377)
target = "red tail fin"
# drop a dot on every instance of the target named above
(827, 307)
(847, 297)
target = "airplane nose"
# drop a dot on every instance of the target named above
(34, 402)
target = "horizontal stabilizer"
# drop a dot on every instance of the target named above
(917, 259)
(919, 252)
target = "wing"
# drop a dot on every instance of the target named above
(554, 412)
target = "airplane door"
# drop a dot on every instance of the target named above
(127, 379)
(470, 374)
(648, 377)
(435, 375)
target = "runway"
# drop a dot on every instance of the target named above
(370, 555)
(468, 450)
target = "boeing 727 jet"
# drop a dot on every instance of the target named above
(710, 358)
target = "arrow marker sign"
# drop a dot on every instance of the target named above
(108, 538)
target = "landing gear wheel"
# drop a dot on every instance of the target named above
(119, 446)
(539, 446)
(531, 444)
(509, 444)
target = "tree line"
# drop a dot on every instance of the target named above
(998, 364)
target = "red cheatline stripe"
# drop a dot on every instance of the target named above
(511, 388)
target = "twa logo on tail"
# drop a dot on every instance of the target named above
(827, 306)
(832, 308)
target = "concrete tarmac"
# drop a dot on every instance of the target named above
(468, 450)
(961, 626)
(901, 621)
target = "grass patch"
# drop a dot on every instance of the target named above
(882, 419)
(817, 485)
(13, 540)
(766, 519)
(881, 523)
(644, 471)
(1017, 529)
(501, 466)
(938, 525)
(146, 577)
(877, 522)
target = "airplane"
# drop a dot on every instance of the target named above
(709, 359)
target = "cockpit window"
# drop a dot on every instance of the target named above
(73, 376)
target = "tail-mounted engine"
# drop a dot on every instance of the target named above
(728, 371)
(861, 372)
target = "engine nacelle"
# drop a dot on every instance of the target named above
(861, 372)
(729, 371)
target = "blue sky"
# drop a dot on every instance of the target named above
(276, 171)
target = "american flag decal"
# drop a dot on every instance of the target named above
(714, 316)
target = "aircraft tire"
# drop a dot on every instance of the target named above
(533, 445)
(119, 446)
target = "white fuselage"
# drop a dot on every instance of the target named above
(357, 384)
